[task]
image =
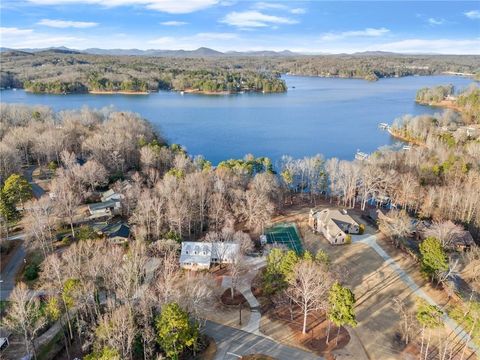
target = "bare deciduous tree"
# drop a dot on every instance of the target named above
(24, 316)
(308, 288)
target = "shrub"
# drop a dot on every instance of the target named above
(31, 272)
(361, 229)
(348, 239)
(52, 166)
(67, 240)
(86, 232)
(173, 235)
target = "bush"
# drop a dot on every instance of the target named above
(86, 232)
(52, 166)
(31, 272)
(173, 235)
(361, 229)
(348, 239)
(67, 240)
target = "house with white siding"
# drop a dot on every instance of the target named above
(197, 255)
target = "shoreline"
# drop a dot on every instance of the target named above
(404, 139)
(445, 104)
(202, 92)
(97, 92)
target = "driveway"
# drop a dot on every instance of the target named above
(233, 343)
(36, 189)
(371, 240)
(10, 271)
(253, 264)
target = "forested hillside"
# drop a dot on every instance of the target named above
(58, 72)
(467, 101)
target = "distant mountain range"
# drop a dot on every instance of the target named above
(200, 52)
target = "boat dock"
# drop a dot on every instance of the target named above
(361, 155)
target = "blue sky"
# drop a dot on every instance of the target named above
(451, 27)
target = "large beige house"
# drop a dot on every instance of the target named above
(335, 225)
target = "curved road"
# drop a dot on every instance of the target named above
(9, 273)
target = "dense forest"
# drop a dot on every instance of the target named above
(59, 72)
(127, 313)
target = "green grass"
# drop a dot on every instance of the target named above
(285, 234)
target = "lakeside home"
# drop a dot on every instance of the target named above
(335, 225)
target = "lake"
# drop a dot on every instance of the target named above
(334, 117)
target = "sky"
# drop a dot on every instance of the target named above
(447, 27)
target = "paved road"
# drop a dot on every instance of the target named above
(7, 276)
(10, 271)
(36, 189)
(233, 343)
(371, 240)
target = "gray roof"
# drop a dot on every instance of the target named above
(101, 205)
(334, 219)
(195, 252)
(113, 230)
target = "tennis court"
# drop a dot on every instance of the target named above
(285, 234)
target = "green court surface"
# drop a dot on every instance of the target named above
(286, 234)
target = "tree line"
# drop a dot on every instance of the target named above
(467, 101)
(57, 72)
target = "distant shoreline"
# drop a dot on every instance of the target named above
(400, 137)
(100, 92)
(445, 104)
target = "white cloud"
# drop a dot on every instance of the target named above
(209, 39)
(13, 31)
(62, 24)
(173, 23)
(269, 5)
(298, 11)
(439, 46)
(433, 21)
(169, 6)
(368, 32)
(26, 38)
(472, 14)
(253, 19)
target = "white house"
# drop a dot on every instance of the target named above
(200, 255)
(335, 225)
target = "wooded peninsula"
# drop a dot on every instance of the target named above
(64, 72)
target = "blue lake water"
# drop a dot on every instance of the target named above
(334, 117)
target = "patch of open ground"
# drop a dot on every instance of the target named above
(227, 315)
(237, 298)
(279, 325)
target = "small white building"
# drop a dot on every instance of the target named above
(201, 255)
(335, 225)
